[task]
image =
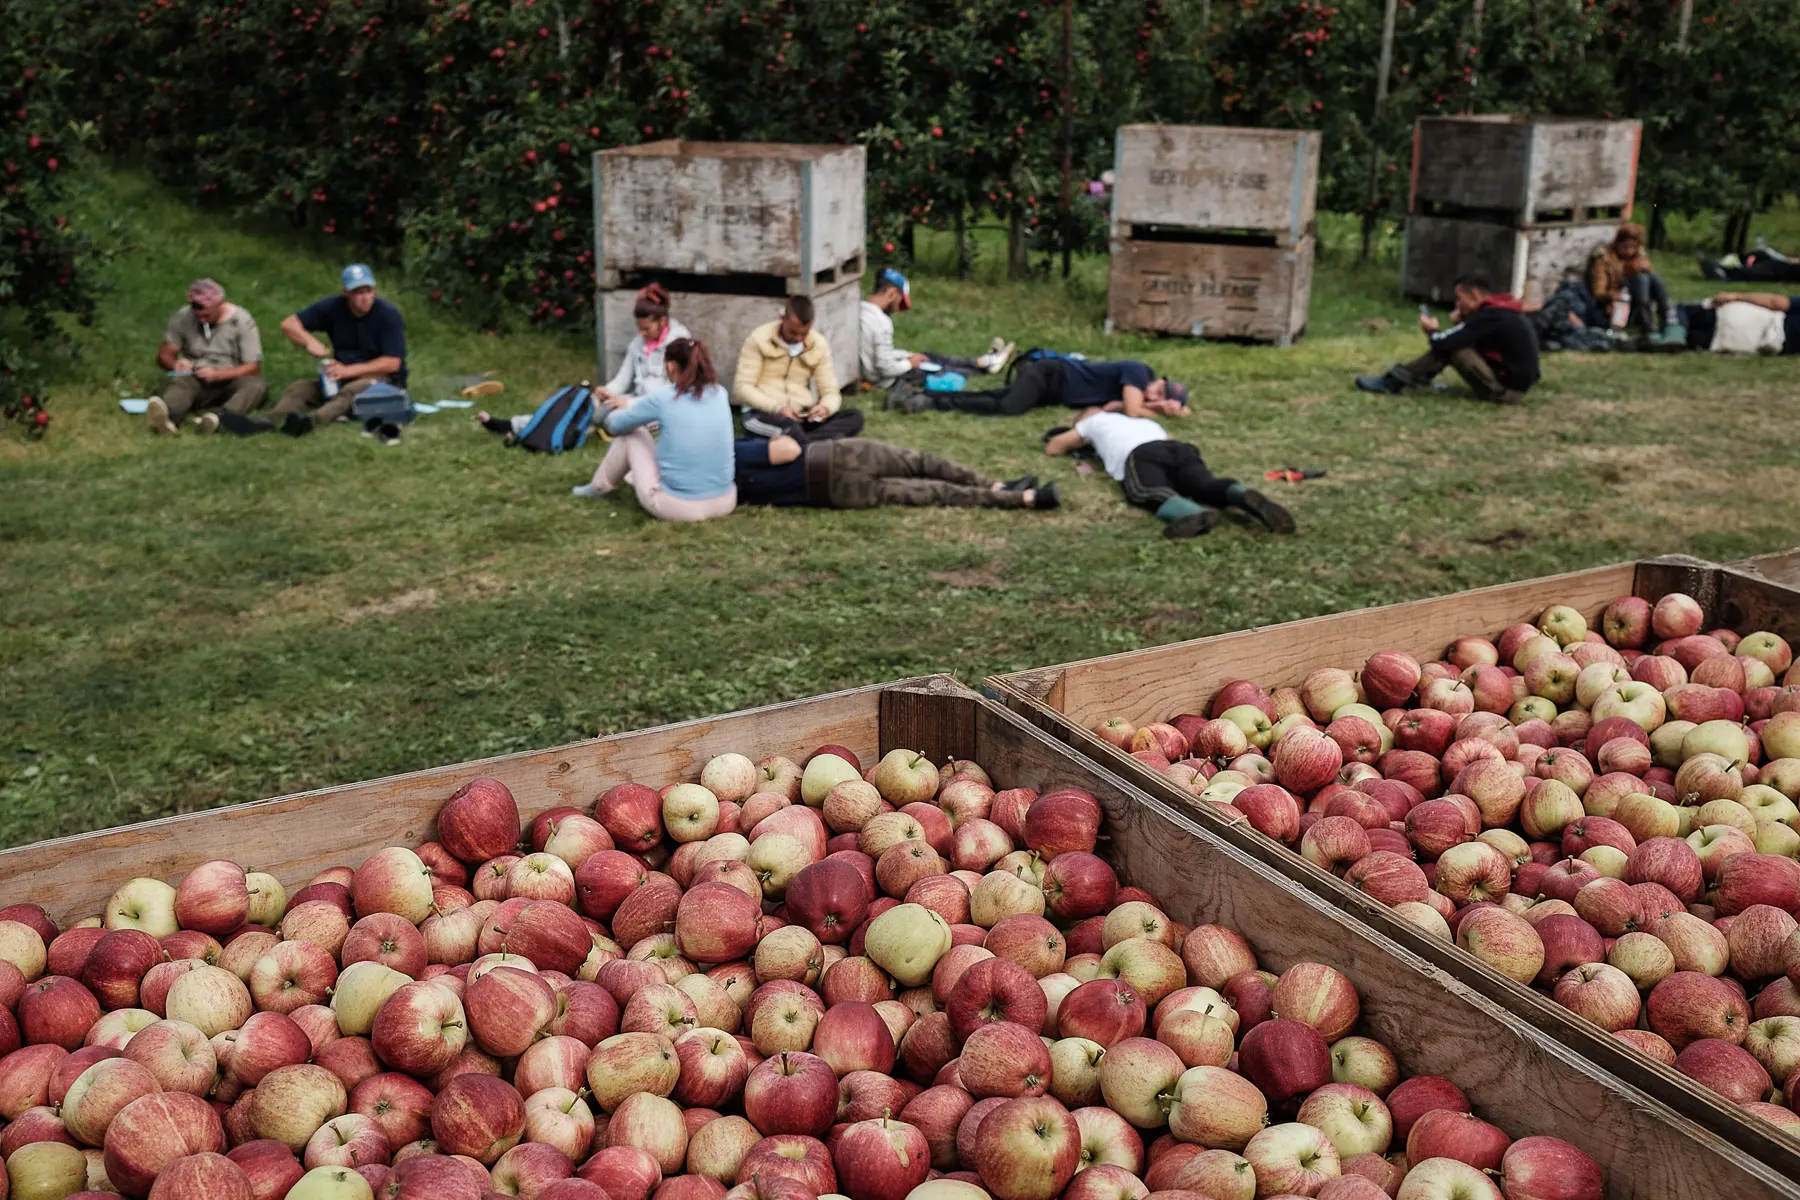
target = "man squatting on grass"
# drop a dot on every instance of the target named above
(1491, 345)
(1163, 475)
(787, 472)
(1071, 383)
(903, 372)
(216, 352)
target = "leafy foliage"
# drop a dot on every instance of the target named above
(457, 135)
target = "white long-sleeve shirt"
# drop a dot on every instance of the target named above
(642, 371)
(882, 364)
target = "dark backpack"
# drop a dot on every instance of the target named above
(1035, 354)
(560, 423)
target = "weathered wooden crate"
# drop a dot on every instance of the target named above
(1516, 1076)
(1215, 177)
(1144, 685)
(1782, 568)
(1529, 263)
(792, 212)
(1211, 289)
(1525, 171)
(722, 320)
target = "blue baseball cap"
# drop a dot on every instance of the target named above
(888, 277)
(358, 275)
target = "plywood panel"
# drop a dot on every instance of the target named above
(724, 321)
(1215, 177)
(1583, 165)
(1474, 162)
(1208, 289)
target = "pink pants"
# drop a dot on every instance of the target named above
(634, 454)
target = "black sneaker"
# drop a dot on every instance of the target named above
(297, 425)
(389, 433)
(1277, 518)
(1192, 525)
(372, 427)
(1023, 483)
(243, 425)
(1382, 385)
(1046, 497)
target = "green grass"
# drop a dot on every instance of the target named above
(204, 621)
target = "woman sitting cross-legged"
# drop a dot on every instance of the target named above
(685, 474)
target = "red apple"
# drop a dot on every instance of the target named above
(886, 1159)
(478, 1115)
(1027, 1149)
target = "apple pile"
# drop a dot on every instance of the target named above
(1607, 815)
(782, 982)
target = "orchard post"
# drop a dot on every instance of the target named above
(1382, 70)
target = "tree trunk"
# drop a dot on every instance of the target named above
(962, 245)
(1018, 262)
(1659, 227)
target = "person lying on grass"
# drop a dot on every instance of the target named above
(1744, 323)
(787, 471)
(1490, 343)
(685, 473)
(1167, 477)
(1070, 383)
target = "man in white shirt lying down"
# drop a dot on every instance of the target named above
(1167, 477)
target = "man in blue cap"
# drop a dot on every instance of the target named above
(368, 345)
(904, 372)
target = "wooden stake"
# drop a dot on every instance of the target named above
(1381, 90)
(1068, 134)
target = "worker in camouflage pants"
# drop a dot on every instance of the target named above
(862, 473)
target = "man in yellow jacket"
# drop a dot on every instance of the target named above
(786, 383)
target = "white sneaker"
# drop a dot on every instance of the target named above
(206, 423)
(157, 417)
(1001, 355)
(585, 491)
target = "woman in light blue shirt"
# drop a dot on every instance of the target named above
(685, 474)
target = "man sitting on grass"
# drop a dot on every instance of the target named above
(1491, 345)
(903, 372)
(785, 376)
(1073, 383)
(368, 345)
(786, 472)
(215, 355)
(1163, 475)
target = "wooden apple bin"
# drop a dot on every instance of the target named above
(1516, 1075)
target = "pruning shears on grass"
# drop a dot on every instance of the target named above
(1291, 475)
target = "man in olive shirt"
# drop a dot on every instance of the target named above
(215, 352)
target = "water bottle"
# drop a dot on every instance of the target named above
(327, 386)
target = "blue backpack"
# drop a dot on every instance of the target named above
(560, 423)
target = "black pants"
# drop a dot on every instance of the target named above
(1761, 268)
(1158, 471)
(844, 423)
(1037, 385)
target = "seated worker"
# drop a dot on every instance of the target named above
(215, 351)
(1744, 323)
(1165, 476)
(685, 473)
(785, 375)
(858, 473)
(1073, 383)
(368, 345)
(1620, 273)
(903, 371)
(1491, 345)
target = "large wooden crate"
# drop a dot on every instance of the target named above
(1529, 263)
(1215, 177)
(1211, 289)
(730, 208)
(1154, 684)
(722, 320)
(1534, 171)
(1517, 1077)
